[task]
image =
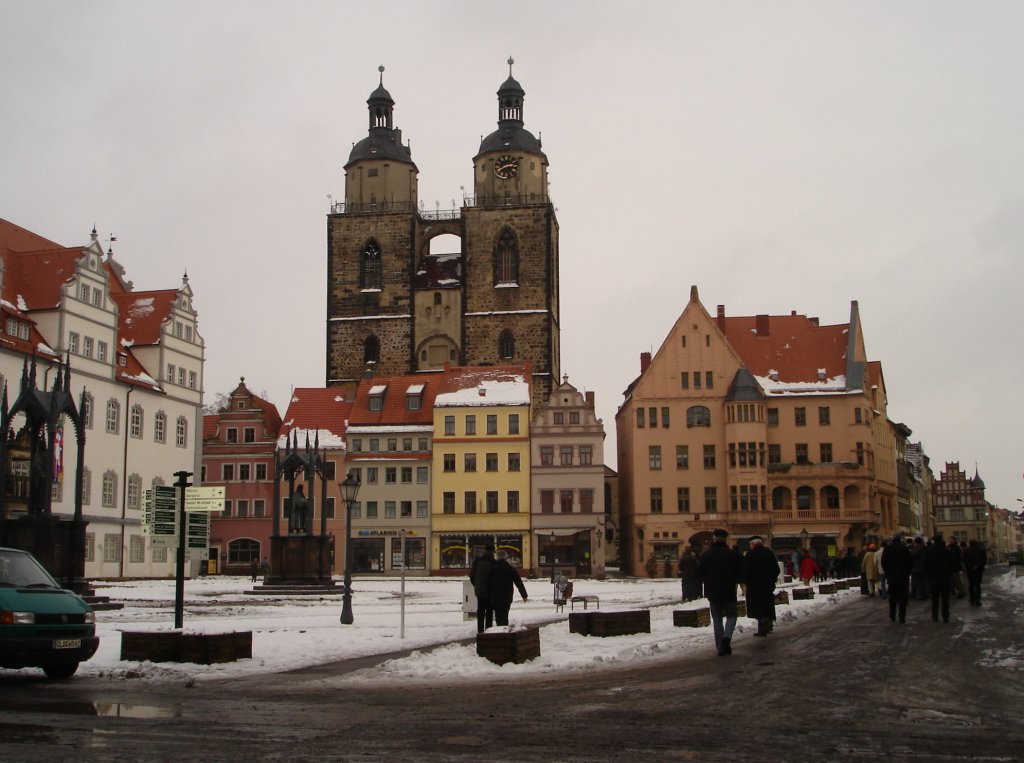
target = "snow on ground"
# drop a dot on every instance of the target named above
(296, 631)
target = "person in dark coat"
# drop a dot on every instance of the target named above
(721, 569)
(938, 565)
(689, 571)
(500, 580)
(254, 568)
(897, 561)
(761, 571)
(974, 565)
(959, 578)
(479, 575)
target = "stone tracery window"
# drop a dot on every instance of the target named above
(506, 258)
(370, 267)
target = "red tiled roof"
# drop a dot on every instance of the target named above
(321, 410)
(14, 238)
(210, 422)
(794, 346)
(395, 412)
(142, 315)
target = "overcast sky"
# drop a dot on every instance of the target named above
(781, 156)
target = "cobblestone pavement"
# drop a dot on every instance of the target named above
(845, 685)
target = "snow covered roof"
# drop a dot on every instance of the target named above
(484, 386)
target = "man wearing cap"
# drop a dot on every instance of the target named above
(722, 570)
(760, 571)
(479, 574)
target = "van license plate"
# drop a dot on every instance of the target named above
(67, 643)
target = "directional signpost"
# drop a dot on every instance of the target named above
(160, 516)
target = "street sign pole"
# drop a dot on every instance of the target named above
(179, 580)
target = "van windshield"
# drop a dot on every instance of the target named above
(20, 570)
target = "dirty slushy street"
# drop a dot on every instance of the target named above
(845, 684)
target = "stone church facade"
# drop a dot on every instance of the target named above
(395, 308)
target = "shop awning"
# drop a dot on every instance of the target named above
(561, 532)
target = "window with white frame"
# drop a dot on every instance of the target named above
(135, 422)
(101, 352)
(87, 403)
(73, 340)
(160, 427)
(113, 416)
(109, 489)
(136, 549)
(86, 486)
(170, 372)
(111, 547)
(90, 547)
(134, 496)
(181, 432)
(87, 347)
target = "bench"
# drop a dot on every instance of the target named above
(586, 599)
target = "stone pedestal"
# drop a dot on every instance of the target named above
(300, 560)
(58, 545)
(803, 593)
(781, 597)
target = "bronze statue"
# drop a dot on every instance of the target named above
(298, 519)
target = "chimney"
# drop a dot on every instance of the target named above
(590, 400)
(761, 325)
(645, 361)
(720, 317)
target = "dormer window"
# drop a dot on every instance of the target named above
(414, 397)
(377, 397)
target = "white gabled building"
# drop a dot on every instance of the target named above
(138, 358)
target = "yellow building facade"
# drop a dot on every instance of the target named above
(480, 493)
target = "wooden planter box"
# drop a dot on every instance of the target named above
(516, 646)
(803, 593)
(691, 618)
(827, 588)
(842, 585)
(782, 597)
(741, 608)
(175, 646)
(610, 623)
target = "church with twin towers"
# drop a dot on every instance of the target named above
(394, 307)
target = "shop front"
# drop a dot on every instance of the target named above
(380, 552)
(458, 550)
(568, 550)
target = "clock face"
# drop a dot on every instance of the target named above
(506, 167)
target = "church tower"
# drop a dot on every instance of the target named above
(393, 307)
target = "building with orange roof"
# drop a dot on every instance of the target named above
(138, 359)
(238, 453)
(480, 492)
(762, 425)
(390, 436)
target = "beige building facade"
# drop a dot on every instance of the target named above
(768, 425)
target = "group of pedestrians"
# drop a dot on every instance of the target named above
(903, 569)
(722, 570)
(493, 579)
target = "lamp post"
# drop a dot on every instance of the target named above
(551, 547)
(349, 491)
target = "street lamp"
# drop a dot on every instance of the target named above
(551, 547)
(349, 491)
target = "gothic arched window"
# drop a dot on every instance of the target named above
(371, 350)
(506, 258)
(370, 269)
(506, 345)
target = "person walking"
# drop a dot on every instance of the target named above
(808, 568)
(869, 569)
(689, 571)
(500, 580)
(265, 569)
(897, 562)
(479, 575)
(760, 572)
(974, 565)
(879, 555)
(721, 569)
(938, 565)
(254, 568)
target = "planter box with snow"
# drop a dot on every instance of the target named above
(691, 618)
(175, 646)
(509, 646)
